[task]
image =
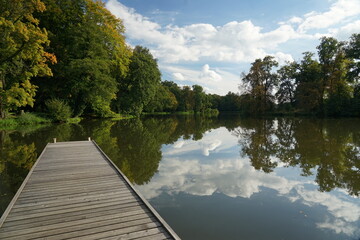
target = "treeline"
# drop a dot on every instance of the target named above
(71, 57)
(322, 85)
(326, 85)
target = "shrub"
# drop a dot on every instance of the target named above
(31, 118)
(58, 110)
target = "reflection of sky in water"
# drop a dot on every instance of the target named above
(213, 166)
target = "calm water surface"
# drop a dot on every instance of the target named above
(222, 178)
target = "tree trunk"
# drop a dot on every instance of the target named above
(2, 87)
(2, 111)
(2, 139)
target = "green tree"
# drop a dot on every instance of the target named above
(176, 90)
(287, 79)
(231, 102)
(89, 43)
(200, 99)
(138, 88)
(164, 100)
(188, 98)
(308, 94)
(353, 52)
(335, 88)
(22, 54)
(260, 82)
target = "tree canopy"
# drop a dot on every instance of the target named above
(22, 53)
(138, 88)
(89, 43)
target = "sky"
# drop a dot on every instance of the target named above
(210, 43)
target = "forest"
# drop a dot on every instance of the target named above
(70, 58)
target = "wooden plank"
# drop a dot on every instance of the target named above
(140, 234)
(71, 216)
(72, 185)
(61, 204)
(25, 207)
(71, 206)
(67, 182)
(62, 197)
(15, 216)
(75, 191)
(121, 216)
(112, 230)
(82, 225)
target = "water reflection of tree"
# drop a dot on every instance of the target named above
(257, 143)
(16, 159)
(139, 142)
(328, 148)
(135, 145)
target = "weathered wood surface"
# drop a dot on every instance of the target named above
(75, 191)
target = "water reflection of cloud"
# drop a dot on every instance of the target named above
(210, 146)
(235, 177)
(337, 207)
(179, 144)
(215, 140)
(339, 226)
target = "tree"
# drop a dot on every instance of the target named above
(231, 102)
(22, 54)
(200, 99)
(138, 88)
(164, 100)
(334, 63)
(188, 96)
(287, 79)
(308, 94)
(89, 43)
(353, 52)
(176, 90)
(260, 82)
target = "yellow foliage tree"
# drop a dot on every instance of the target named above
(22, 54)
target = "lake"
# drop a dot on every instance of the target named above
(221, 178)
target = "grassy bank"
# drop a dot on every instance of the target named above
(206, 113)
(24, 119)
(121, 117)
(30, 119)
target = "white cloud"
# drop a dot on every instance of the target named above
(295, 20)
(232, 42)
(209, 75)
(219, 81)
(283, 58)
(236, 42)
(338, 12)
(178, 76)
(344, 32)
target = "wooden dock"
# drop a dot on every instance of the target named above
(74, 191)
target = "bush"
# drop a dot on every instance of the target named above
(58, 110)
(31, 118)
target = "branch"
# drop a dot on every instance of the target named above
(14, 54)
